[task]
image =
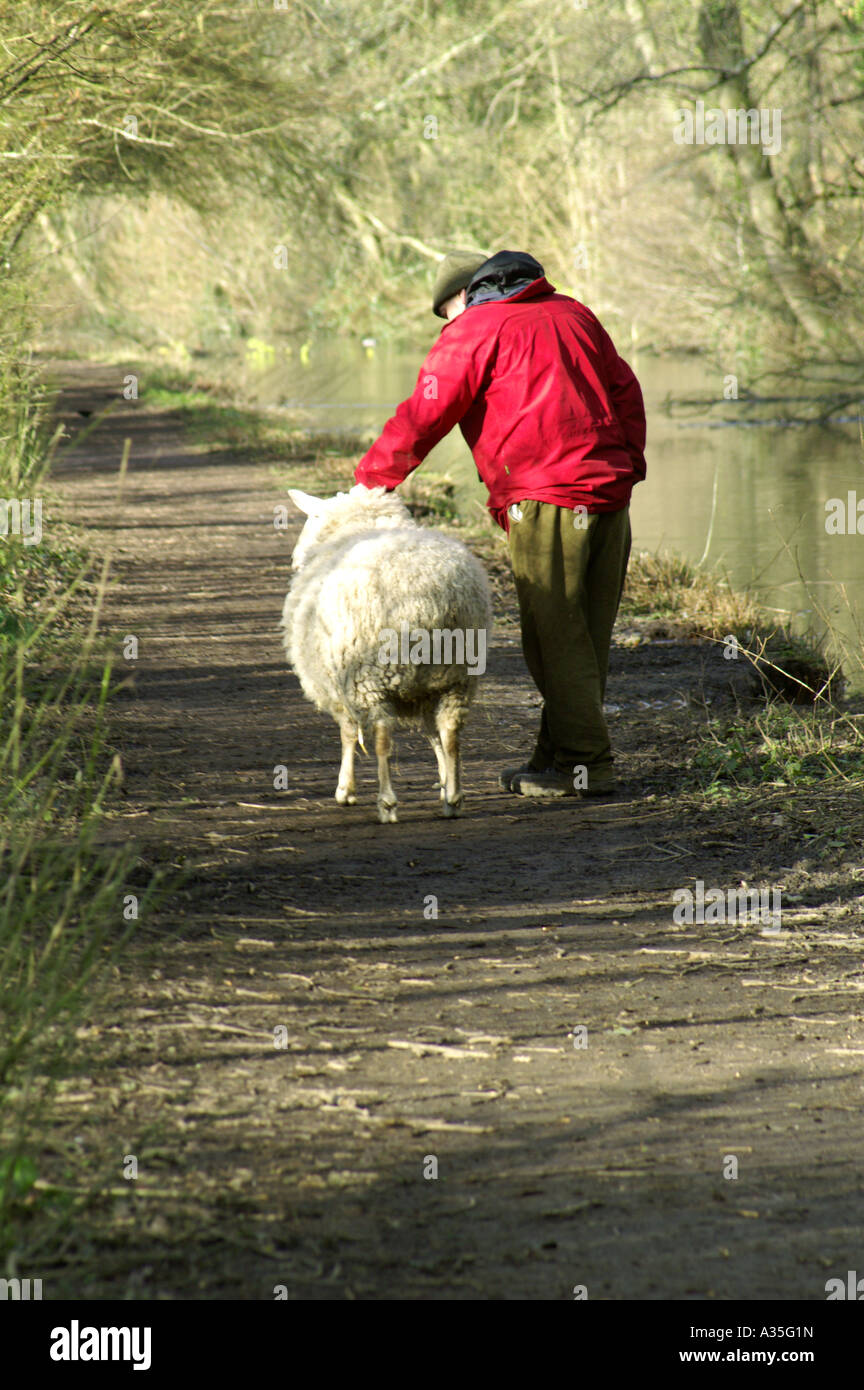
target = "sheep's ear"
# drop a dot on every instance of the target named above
(305, 502)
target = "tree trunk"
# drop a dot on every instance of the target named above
(788, 257)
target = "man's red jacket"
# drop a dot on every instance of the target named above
(548, 408)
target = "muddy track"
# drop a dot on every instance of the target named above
(409, 1041)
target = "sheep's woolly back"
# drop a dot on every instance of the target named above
(369, 570)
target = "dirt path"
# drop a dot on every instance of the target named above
(409, 1037)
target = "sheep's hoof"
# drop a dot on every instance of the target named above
(346, 798)
(387, 812)
(452, 808)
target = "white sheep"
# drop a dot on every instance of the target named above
(385, 622)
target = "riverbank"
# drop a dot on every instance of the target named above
(401, 1036)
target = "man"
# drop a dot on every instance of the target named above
(556, 424)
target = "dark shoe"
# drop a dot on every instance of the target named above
(601, 782)
(548, 783)
(554, 782)
(505, 781)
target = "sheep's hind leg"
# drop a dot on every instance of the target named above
(386, 795)
(346, 791)
(448, 718)
(441, 761)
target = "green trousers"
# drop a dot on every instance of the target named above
(569, 570)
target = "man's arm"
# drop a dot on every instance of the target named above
(626, 396)
(447, 386)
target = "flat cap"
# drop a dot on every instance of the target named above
(453, 274)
